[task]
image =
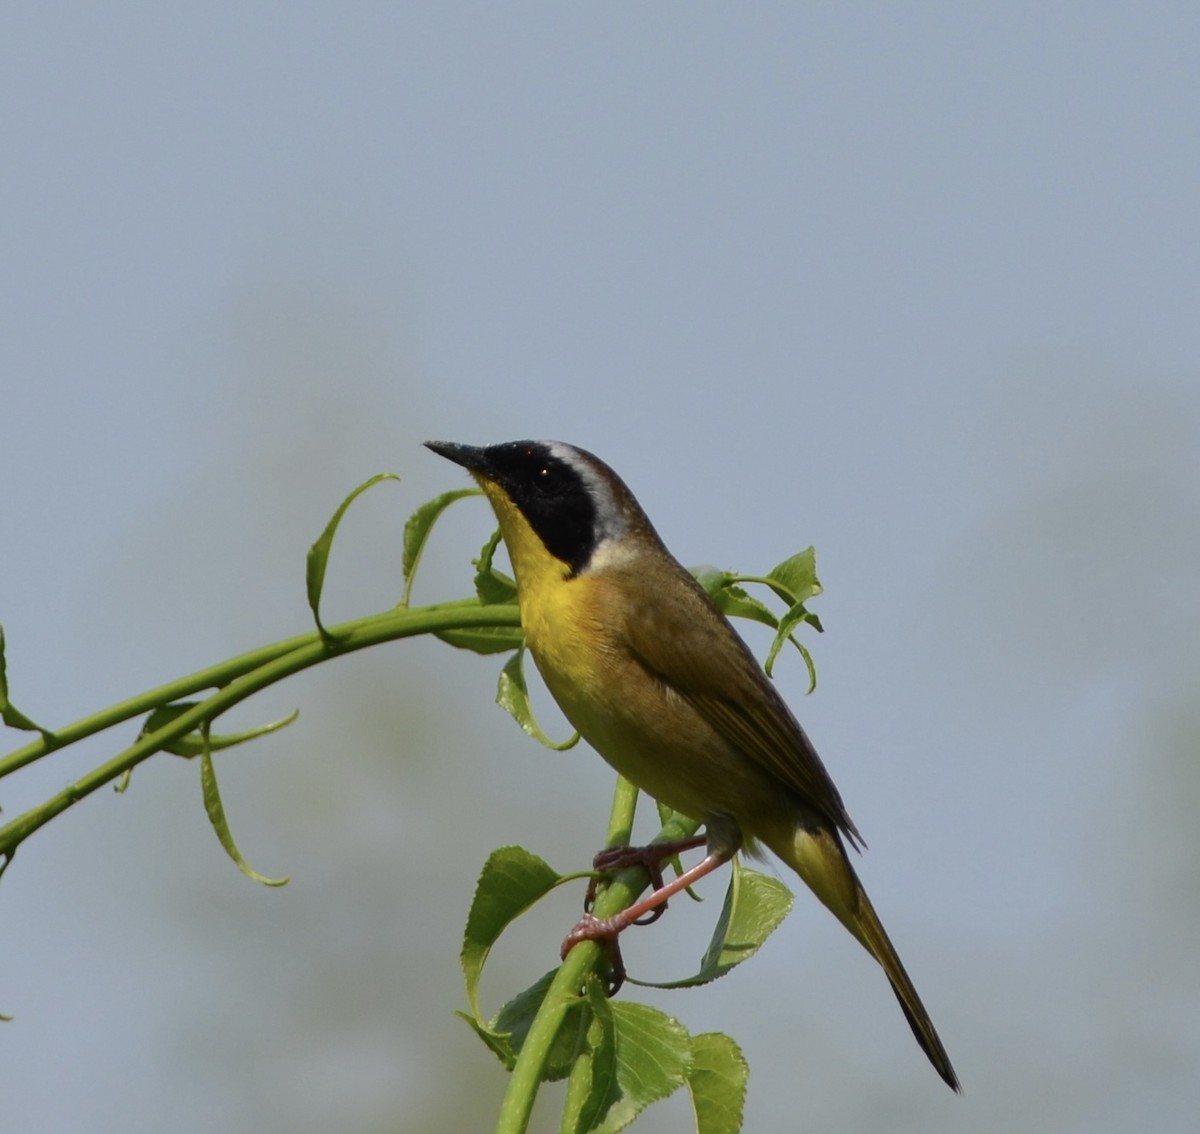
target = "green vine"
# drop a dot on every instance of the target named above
(616, 1056)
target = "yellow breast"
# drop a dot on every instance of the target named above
(560, 615)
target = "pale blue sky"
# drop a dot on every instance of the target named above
(918, 286)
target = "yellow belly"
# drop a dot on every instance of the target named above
(577, 632)
(643, 729)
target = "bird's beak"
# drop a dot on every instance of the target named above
(471, 457)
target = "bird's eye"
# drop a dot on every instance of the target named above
(548, 480)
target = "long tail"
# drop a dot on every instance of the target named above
(817, 855)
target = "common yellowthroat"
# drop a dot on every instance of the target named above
(654, 677)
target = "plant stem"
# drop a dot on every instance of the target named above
(235, 679)
(584, 959)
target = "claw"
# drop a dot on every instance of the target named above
(605, 930)
(650, 858)
(649, 909)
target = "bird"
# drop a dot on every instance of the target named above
(654, 677)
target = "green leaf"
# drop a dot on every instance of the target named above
(9, 713)
(633, 1055)
(809, 664)
(493, 587)
(717, 1081)
(795, 579)
(653, 1059)
(193, 743)
(216, 816)
(592, 1085)
(498, 1043)
(511, 881)
(796, 615)
(506, 1034)
(512, 695)
(730, 599)
(318, 554)
(733, 602)
(712, 579)
(418, 528)
(755, 904)
(484, 639)
(517, 1016)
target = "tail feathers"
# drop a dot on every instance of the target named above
(880, 947)
(818, 857)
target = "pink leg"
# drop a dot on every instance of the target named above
(592, 928)
(650, 858)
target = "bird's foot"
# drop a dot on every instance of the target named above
(650, 858)
(606, 930)
(645, 910)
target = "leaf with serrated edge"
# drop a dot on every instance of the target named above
(797, 576)
(417, 530)
(318, 554)
(755, 904)
(513, 1021)
(717, 1082)
(505, 1035)
(653, 1058)
(216, 816)
(734, 602)
(511, 881)
(498, 1043)
(516, 1018)
(592, 1084)
(512, 695)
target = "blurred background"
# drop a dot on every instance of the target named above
(916, 285)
